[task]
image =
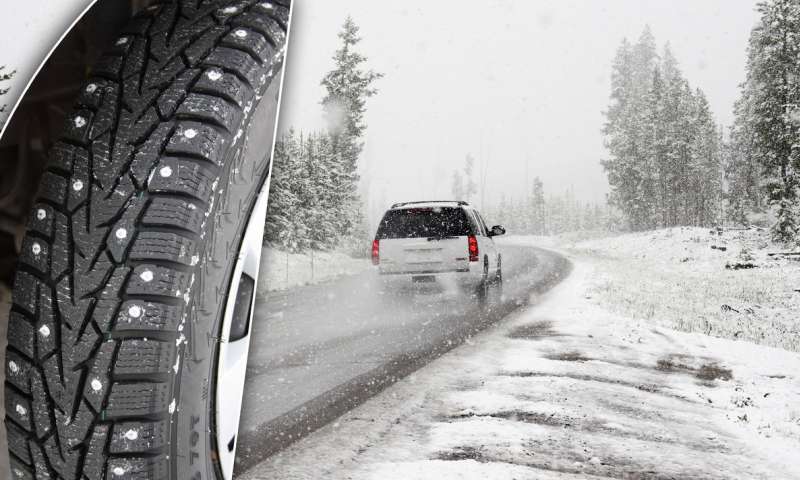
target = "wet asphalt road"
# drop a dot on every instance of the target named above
(320, 350)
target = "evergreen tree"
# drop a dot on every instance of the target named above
(664, 164)
(4, 77)
(629, 136)
(314, 202)
(462, 183)
(768, 121)
(645, 58)
(536, 215)
(620, 166)
(470, 187)
(501, 213)
(457, 186)
(284, 227)
(706, 166)
(348, 86)
(658, 146)
(321, 204)
(539, 226)
(742, 169)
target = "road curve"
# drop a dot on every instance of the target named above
(320, 350)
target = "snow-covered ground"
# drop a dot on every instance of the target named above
(575, 388)
(282, 270)
(698, 280)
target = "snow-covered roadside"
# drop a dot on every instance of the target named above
(304, 268)
(567, 389)
(722, 284)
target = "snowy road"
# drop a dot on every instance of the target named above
(321, 350)
(567, 390)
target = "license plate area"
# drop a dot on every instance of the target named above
(424, 255)
(423, 279)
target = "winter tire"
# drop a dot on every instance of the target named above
(134, 288)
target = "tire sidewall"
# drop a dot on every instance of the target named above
(246, 169)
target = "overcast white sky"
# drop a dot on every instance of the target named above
(520, 84)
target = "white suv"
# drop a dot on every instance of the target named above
(426, 241)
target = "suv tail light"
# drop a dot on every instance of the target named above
(472, 248)
(376, 251)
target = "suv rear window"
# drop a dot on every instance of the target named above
(424, 223)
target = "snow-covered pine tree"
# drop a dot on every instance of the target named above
(4, 77)
(769, 115)
(457, 186)
(630, 175)
(619, 166)
(319, 202)
(662, 142)
(499, 214)
(504, 213)
(347, 87)
(285, 228)
(745, 192)
(658, 146)
(555, 214)
(470, 187)
(680, 150)
(303, 187)
(645, 60)
(672, 121)
(706, 166)
(538, 218)
(520, 215)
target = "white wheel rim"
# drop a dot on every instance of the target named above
(232, 360)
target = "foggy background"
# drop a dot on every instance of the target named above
(520, 85)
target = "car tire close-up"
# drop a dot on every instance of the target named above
(137, 273)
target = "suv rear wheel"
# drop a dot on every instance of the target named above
(485, 284)
(135, 282)
(498, 279)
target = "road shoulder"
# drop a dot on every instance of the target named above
(281, 270)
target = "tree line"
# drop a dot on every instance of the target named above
(668, 162)
(314, 201)
(763, 154)
(665, 151)
(534, 213)
(537, 213)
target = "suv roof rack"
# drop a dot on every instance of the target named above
(459, 202)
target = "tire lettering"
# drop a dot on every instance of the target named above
(194, 438)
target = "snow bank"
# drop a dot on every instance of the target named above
(724, 284)
(281, 270)
(568, 389)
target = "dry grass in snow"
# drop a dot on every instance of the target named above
(696, 280)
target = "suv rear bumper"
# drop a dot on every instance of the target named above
(462, 277)
(426, 272)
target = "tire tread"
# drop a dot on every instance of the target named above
(94, 349)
